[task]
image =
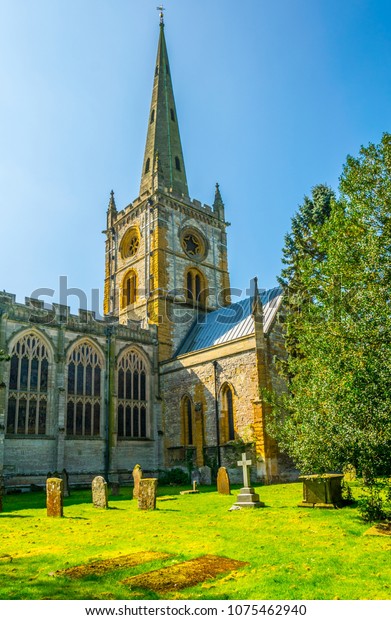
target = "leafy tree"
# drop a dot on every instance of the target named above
(338, 409)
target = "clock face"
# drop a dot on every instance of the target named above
(193, 244)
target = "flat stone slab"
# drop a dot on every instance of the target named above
(380, 529)
(191, 492)
(99, 567)
(184, 574)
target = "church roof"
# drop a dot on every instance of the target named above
(231, 322)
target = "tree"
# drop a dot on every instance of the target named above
(300, 250)
(338, 409)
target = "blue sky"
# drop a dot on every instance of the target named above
(271, 97)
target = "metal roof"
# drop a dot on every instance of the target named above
(230, 323)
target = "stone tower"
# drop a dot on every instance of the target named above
(166, 255)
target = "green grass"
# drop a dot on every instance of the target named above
(292, 553)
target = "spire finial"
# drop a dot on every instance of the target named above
(112, 206)
(161, 9)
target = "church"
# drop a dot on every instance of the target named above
(172, 375)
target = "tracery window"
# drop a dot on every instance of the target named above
(132, 390)
(129, 289)
(187, 421)
(227, 414)
(195, 286)
(28, 386)
(84, 393)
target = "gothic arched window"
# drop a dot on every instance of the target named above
(147, 166)
(227, 414)
(133, 400)
(129, 289)
(28, 386)
(177, 163)
(187, 421)
(84, 393)
(195, 286)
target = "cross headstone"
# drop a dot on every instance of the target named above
(137, 476)
(245, 464)
(99, 492)
(147, 494)
(54, 495)
(223, 483)
(195, 476)
(247, 497)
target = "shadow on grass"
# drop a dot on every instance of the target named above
(5, 515)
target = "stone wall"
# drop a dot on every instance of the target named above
(23, 456)
(194, 375)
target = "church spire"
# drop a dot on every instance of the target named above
(163, 164)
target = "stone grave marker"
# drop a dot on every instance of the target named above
(115, 489)
(223, 484)
(65, 478)
(247, 497)
(205, 475)
(137, 476)
(322, 491)
(1, 493)
(54, 497)
(350, 473)
(99, 492)
(147, 494)
(195, 476)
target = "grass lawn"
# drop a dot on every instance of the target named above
(292, 553)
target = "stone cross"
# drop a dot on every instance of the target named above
(245, 464)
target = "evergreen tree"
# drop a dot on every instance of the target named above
(338, 409)
(301, 250)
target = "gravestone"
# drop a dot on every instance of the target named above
(1, 493)
(322, 491)
(195, 476)
(115, 489)
(54, 496)
(147, 494)
(205, 475)
(137, 476)
(65, 478)
(223, 484)
(247, 497)
(193, 491)
(99, 492)
(350, 473)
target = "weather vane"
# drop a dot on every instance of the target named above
(161, 9)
